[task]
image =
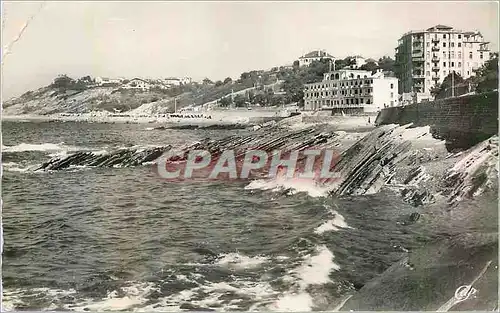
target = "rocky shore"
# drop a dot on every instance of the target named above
(441, 186)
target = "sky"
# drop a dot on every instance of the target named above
(209, 39)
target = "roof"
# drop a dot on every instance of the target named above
(136, 78)
(439, 26)
(316, 54)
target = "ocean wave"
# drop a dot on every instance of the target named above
(292, 185)
(23, 147)
(238, 261)
(239, 293)
(334, 224)
(16, 167)
(314, 270)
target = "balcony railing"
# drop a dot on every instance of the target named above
(418, 76)
(435, 59)
(435, 68)
(417, 58)
(435, 39)
(435, 48)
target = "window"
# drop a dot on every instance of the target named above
(459, 64)
(459, 37)
(452, 54)
(444, 73)
(362, 100)
(392, 94)
(428, 44)
(481, 55)
(444, 36)
(459, 54)
(444, 44)
(392, 86)
(470, 55)
(427, 73)
(459, 44)
(468, 73)
(444, 54)
(452, 64)
(444, 64)
(452, 44)
(428, 54)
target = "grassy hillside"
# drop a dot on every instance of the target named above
(82, 95)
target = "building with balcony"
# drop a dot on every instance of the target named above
(317, 55)
(351, 92)
(425, 57)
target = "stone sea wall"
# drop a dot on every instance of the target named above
(462, 121)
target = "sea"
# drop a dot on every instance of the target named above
(98, 239)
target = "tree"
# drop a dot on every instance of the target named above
(218, 83)
(486, 77)
(228, 80)
(244, 76)
(63, 82)
(277, 100)
(239, 101)
(435, 90)
(369, 66)
(207, 81)
(260, 99)
(386, 64)
(225, 102)
(251, 96)
(444, 90)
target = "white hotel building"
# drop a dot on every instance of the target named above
(425, 57)
(351, 92)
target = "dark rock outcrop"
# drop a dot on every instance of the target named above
(119, 158)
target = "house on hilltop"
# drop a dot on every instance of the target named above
(317, 55)
(138, 83)
(356, 62)
(176, 81)
(105, 81)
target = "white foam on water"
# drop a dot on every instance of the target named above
(293, 184)
(236, 260)
(23, 147)
(16, 167)
(314, 270)
(257, 291)
(12, 298)
(134, 295)
(298, 302)
(334, 224)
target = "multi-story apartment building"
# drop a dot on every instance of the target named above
(425, 57)
(351, 91)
